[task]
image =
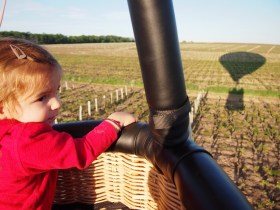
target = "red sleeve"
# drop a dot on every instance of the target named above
(40, 148)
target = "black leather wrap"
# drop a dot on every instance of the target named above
(201, 184)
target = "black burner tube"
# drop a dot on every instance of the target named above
(159, 54)
(201, 184)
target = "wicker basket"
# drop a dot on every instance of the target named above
(116, 178)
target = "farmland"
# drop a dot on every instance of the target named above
(237, 121)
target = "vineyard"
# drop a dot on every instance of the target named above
(237, 120)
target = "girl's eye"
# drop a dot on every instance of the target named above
(42, 98)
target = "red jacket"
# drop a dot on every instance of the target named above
(31, 153)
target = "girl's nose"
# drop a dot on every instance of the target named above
(55, 103)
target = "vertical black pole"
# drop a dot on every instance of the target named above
(200, 182)
(159, 54)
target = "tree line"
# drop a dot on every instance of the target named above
(62, 39)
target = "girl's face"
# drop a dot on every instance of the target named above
(43, 106)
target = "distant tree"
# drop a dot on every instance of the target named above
(62, 39)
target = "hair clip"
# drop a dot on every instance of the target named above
(18, 52)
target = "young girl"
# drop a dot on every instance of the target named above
(30, 150)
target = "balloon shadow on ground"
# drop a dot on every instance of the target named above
(239, 64)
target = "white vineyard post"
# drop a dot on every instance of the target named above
(197, 101)
(122, 93)
(111, 98)
(81, 113)
(104, 101)
(126, 90)
(194, 109)
(191, 116)
(96, 105)
(89, 108)
(117, 95)
(66, 85)
(195, 105)
(190, 122)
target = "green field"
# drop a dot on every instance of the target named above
(238, 120)
(206, 66)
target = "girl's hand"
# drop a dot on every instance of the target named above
(123, 118)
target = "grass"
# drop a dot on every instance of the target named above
(215, 67)
(192, 87)
(266, 93)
